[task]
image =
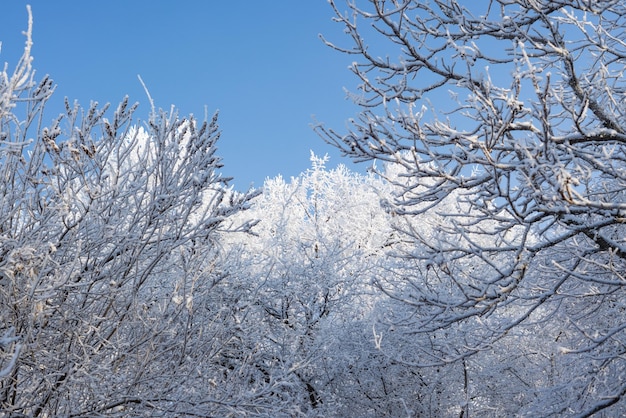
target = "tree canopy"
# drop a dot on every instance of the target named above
(477, 269)
(506, 118)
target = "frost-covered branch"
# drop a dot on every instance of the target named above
(111, 270)
(501, 127)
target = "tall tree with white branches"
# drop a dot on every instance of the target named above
(505, 120)
(110, 264)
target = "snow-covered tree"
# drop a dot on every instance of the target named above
(505, 122)
(112, 299)
(320, 239)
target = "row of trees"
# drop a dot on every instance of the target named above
(478, 270)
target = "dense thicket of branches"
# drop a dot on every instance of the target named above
(108, 258)
(507, 118)
(480, 272)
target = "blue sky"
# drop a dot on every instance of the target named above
(261, 63)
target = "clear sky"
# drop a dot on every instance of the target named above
(261, 63)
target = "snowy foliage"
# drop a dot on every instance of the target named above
(319, 244)
(505, 121)
(477, 271)
(109, 264)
